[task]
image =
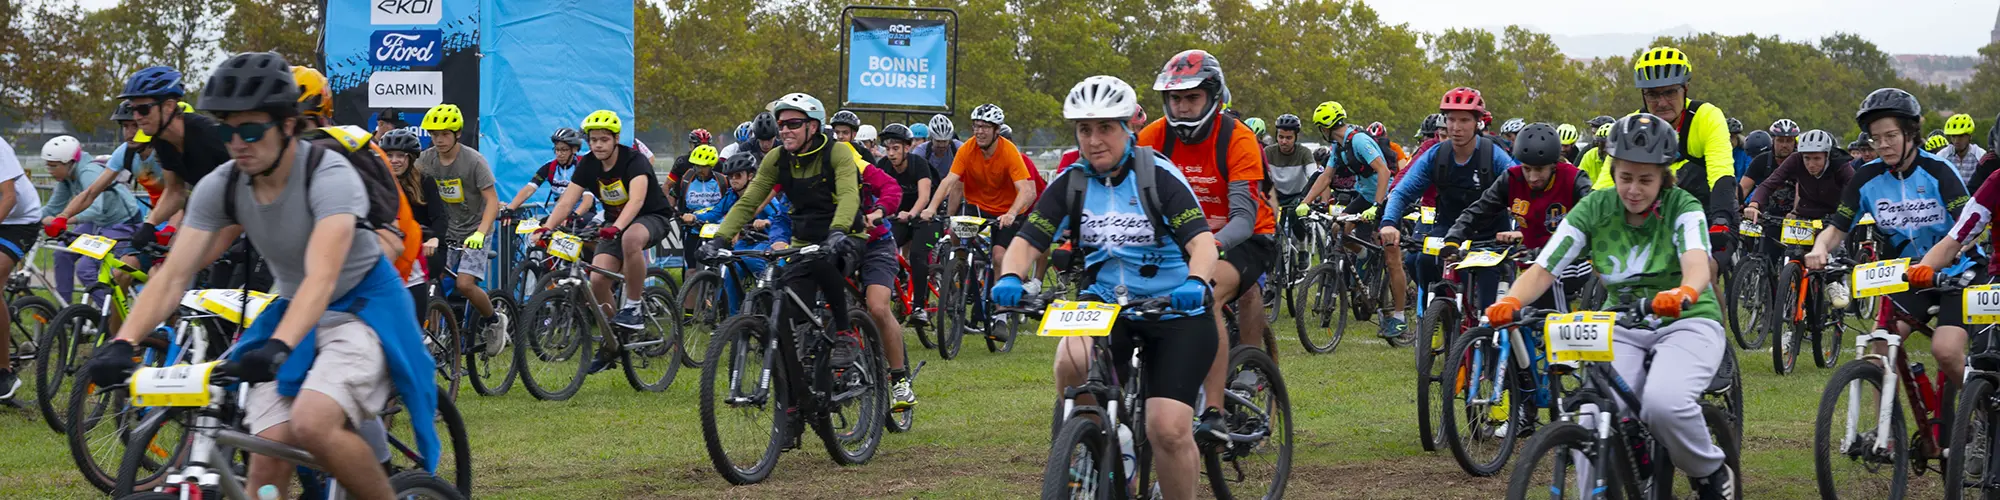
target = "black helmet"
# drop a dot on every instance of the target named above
(1599, 121)
(1757, 142)
(404, 140)
(1735, 126)
(764, 126)
(123, 113)
(1538, 145)
(251, 81)
(1643, 138)
(1322, 155)
(1288, 121)
(1893, 101)
(894, 132)
(1431, 124)
(845, 117)
(567, 135)
(742, 161)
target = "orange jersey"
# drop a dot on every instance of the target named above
(989, 179)
(1197, 163)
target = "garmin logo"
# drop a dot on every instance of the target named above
(405, 89)
(406, 12)
(406, 48)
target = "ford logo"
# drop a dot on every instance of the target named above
(406, 48)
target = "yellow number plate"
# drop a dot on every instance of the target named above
(1336, 209)
(93, 246)
(1865, 220)
(1078, 319)
(1982, 304)
(565, 247)
(1482, 258)
(1880, 278)
(1799, 232)
(527, 226)
(225, 302)
(1429, 215)
(1579, 336)
(1433, 245)
(1750, 229)
(178, 385)
(708, 230)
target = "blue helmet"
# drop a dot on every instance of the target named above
(156, 81)
(920, 131)
(743, 132)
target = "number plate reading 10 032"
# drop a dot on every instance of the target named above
(1078, 319)
(1580, 336)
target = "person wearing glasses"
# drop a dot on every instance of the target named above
(186, 145)
(1706, 165)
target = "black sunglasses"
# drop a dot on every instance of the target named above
(794, 124)
(143, 109)
(250, 132)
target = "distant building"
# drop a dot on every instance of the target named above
(1995, 34)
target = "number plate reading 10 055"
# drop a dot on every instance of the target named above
(1580, 336)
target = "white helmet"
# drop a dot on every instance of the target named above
(941, 128)
(62, 149)
(1513, 126)
(802, 103)
(865, 133)
(989, 113)
(1815, 141)
(1101, 96)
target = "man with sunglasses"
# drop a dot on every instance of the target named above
(466, 185)
(186, 145)
(1707, 164)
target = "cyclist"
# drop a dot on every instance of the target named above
(868, 139)
(134, 156)
(1736, 143)
(881, 199)
(556, 173)
(1665, 229)
(846, 128)
(1595, 161)
(402, 146)
(346, 338)
(1987, 164)
(114, 214)
(1390, 148)
(1461, 170)
(775, 220)
(21, 206)
(1913, 196)
(1707, 165)
(636, 214)
(914, 175)
(465, 183)
(187, 146)
(696, 139)
(763, 128)
(1591, 142)
(1536, 195)
(1291, 168)
(1428, 134)
(1568, 135)
(315, 113)
(1959, 149)
(1512, 129)
(1935, 143)
(995, 180)
(1223, 164)
(701, 189)
(1356, 162)
(1863, 152)
(1784, 135)
(941, 148)
(1131, 247)
(1807, 183)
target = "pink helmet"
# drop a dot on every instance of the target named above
(1463, 99)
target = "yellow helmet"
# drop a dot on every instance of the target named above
(186, 108)
(603, 119)
(704, 156)
(1604, 130)
(1567, 133)
(1935, 142)
(1660, 67)
(444, 117)
(140, 137)
(1329, 114)
(313, 100)
(1959, 124)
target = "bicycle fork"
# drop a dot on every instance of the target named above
(1887, 407)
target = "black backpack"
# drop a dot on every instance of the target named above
(352, 143)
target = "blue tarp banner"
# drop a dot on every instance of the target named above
(898, 62)
(547, 64)
(405, 56)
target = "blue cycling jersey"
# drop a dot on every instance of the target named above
(1914, 208)
(1118, 240)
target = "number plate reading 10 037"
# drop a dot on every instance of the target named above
(1078, 319)
(1580, 336)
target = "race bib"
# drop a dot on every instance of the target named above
(227, 303)
(1482, 258)
(1433, 245)
(1799, 232)
(1428, 215)
(93, 246)
(1336, 209)
(1579, 336)
(1078, 319)
(1865, 220)
(452, 190)
(1750, 229)
(1982, 305)
(966, 226)
(613, 193)
(178, 385)
(709, 230)
(1880, 278)
(565, 247)
(527, 226)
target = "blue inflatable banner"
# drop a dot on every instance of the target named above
(898, 62)
(546, 66)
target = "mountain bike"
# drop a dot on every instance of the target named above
(559, 326)
(1975, 429)
(458, 343)
(1484, 368)
(1320, 299)
(713, 292)
(1802, 302)
(750, 411)
(967, 273)
(31, 316)
(1445, 311)
(75, 332)
(1748, 288)
(1858, 428)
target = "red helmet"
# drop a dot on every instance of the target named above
(1376, 129)
(1463, 99)
(700, 136)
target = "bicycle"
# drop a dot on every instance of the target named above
(1976, 421)
(555, 340)
(1486, 366)
(1598, 448)
(1802, 303)
(1443, 316)
(206, 400)
(966, 273)
(845, 380)
(31, 315)
(454, 337)
(75, 332)
(1748, 288)
(1321, 298)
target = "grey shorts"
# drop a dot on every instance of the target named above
(878, 263)
(348, 366)
(470, 262)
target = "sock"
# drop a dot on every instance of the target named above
(897, 375)
(632, 303)
(1398, 315)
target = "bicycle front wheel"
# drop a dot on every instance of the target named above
(1438, 325)
(743, 423)
(1081, 463)
(1784, 322)
(554, 349)
(952, 311)
(442, 339)
(653, 356)
(1829, 326)
(1319, 308)
(1974, 426)
(701, 308)
(1480, 430)
(32, 317)
(70, 339)
(493, 374)
(1560, 463)
(1752, 290)
(857, 398)
(1256, 404)
(101, 422)
(1855, 454)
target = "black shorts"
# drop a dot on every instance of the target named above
(1951, 307)
(19, 239)
(1251, 259)
(913, 231)
(656, 229)
(1178, 354)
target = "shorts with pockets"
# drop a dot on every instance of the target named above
(878, 263)
(657, 226)
(1252, 258)
(348, 366)
(470, 262)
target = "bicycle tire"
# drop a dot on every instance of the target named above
(1973, 429)
(481, 368)
(442, 338)
(62, 349)
(127, 480)
(1455, 366)
(1555, 444)
(420, 485)
(902, 421)
(95, 454)
(931, 333)
(652, 368)
(867, 378)
(1823, 442)
(1725, 435)
(1785, 348)
(951, 335)
(1829, 327)
(1225, 467)
(461, 446)
(1437, 322)
(702, 308)
(455, 459)
(32, 316)
(1751, 291)
(742, 338)
(556, 353)
(1081, 443)
(1322, 303)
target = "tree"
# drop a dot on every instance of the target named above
(289, 27)
(1983, 92)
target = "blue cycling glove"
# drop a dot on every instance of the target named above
(1007, 293)
(1191, 295)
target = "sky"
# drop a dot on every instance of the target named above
(1922, 26)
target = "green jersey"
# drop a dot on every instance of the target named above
(1640, 260)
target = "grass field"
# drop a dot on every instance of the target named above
(982, 433)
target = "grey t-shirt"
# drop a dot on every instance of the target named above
(281, 230)
(1290, 174)
(461, 184)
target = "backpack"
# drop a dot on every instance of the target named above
(387, 208)
(1224, 131)
(1149, 201)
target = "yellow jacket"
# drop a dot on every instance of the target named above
(1706, 138)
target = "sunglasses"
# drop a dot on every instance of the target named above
(143, 109)
(250, 132)
(794, 124)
